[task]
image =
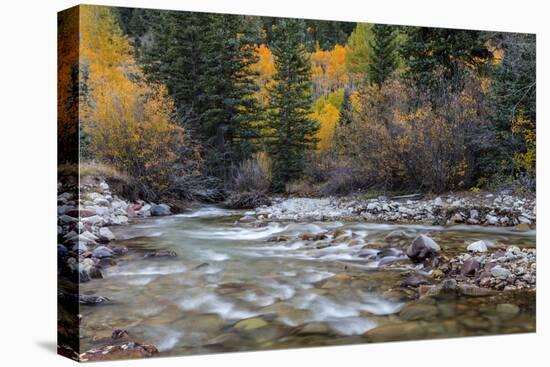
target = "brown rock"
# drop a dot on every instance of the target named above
(120, 350)
(470, 267)
(308, 236)
(82, 213)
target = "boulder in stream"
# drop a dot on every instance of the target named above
(422, 248)
(160, 210)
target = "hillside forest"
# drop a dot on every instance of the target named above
(198, 106)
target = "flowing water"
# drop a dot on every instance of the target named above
(292, 293)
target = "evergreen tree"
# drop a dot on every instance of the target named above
(383, 58)
(174, 58)
(346, 109)
(436, 56)
(204, 60)
(289, 122)
(513, 100)
(230, 119)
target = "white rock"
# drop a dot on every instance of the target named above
(491, 219)
(93, 220)
(372, 206)
(105, 234)
(525, 220)
(500, 273)
(478, 246)
(66, 219)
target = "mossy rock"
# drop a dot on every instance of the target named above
(251, 324)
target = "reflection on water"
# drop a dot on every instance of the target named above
(231, 288)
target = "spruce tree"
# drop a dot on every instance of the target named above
(291, 129)
(230, 120)
(204, 60)
(383, 58)
(174, 58)
(346, 109)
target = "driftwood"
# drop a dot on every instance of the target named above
(247, 200)
(409, 196)
(198, 188)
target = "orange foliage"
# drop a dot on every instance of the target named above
(265, 67)
(329, 70)
(67, 85)
(129, 122)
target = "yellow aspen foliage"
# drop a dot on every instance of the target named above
(328, 69)
(526, 160)
(265, 67)
(328, 118)
(326, 110)
(128, 121)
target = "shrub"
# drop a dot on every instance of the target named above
(250, 176)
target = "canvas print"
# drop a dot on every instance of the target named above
(239, 183)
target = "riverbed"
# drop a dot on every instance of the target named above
(236, 286)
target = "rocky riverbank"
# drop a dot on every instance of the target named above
(491, 209)
(84, 249)
(83, 227)
(427, 266)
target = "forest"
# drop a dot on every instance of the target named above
(198, 106)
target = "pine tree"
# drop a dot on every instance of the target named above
(230, 120)
(435, 56)
(289, 123)
(346, 109)
(204, 60)
(174, 58)
(383, 58)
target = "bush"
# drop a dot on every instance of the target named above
(400, 139)
(249, 176)
(206, 189)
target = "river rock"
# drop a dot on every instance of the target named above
(62, 251)
(415, 280)
(93, 220)
(247, 219)
(422, 248)
(491, 219)
(102, 252)
(105, 234)
(309, 236)
(160, 253)
(95, 273)
(160, 210)
(120, 350)
(418, 311)
(120, 250)
(479, 246)
(250, 324)
(471, 290)
(313, 328)
(80, 247)
(507, 310)
(86, 299)
(470, 267)
(66, 219)
(392, 332)
(82, 213)
(224, 340)
(522, 227)
(500, 273)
